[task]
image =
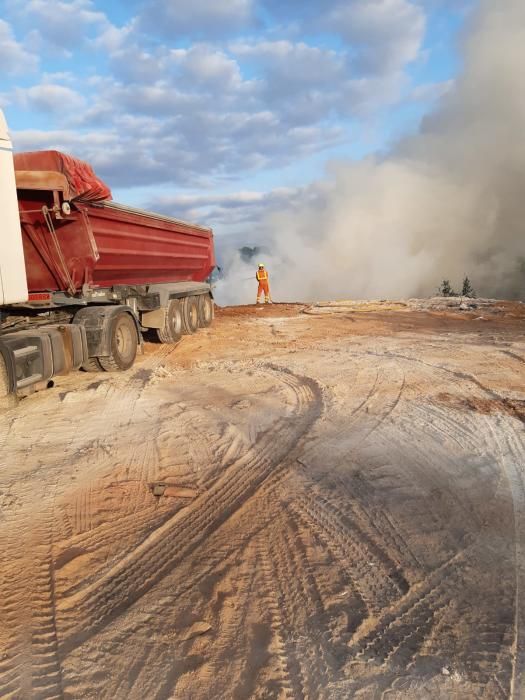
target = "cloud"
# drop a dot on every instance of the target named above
(133, 64)
(64, 23)
(197, 19)
(188, 115)
(308, 83)
(62, 140)
(383, 35)
(15, 59)
(202, 66)
(179, 110)
(386, 35)
(111, 38)
(48, 97)
(292, 67)
(225, 210)
(192, 152)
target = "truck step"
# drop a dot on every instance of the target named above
(20, 353)
(31, 356)
(39, 354)
(29, 381)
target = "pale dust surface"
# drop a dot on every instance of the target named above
(344, 513)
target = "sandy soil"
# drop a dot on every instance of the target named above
(345, 514)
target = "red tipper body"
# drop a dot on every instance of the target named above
(99, 243)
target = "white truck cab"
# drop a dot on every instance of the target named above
(13, 281)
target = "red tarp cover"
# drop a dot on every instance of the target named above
(83, 182)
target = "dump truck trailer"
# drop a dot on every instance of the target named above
(82, 277)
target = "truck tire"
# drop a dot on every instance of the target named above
(92, 364)
(206, 310)
(190, 315)
(123, 344)
(172, 330)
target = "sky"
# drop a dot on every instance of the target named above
(223, 111)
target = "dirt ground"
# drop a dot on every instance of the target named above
(345, 516)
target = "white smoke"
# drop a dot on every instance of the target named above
(444, 203)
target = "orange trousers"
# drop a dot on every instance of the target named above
(264, 288)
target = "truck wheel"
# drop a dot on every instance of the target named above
(206, 310)
(190, 315)
(172, 331)
(92, 364)
(123, 344)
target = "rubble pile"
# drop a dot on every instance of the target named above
(447, 304)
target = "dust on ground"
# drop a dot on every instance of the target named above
(343, 512)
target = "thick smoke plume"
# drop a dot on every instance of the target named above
(446, 202)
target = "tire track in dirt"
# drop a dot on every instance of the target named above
(514, 356)
(222, 666)
(218, 561)
(352, 500)
(137, 501)
(511, 455)
(357, 521)
(400, 633)
(295, 602)
(45, 662)
(15, 620)
(409, 634)
(161, 551)
(300, 604)
(375, 577)
(290, 679)
(458, 374)
(433, 469)
(31, 665)
(405, 638)
(386, 633)
(384, 387)
(388, 496)
(132, 675)
(433, 419)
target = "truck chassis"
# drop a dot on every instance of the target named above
(53, 333)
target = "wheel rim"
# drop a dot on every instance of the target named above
(175, 321)
(123, 339)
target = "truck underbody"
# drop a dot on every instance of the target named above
(53, 332)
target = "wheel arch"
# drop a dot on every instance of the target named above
(97, 322)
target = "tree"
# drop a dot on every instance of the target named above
(445, 289)
(467, 290)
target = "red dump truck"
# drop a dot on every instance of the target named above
(82, 278)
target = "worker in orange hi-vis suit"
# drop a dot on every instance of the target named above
(264, 284)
